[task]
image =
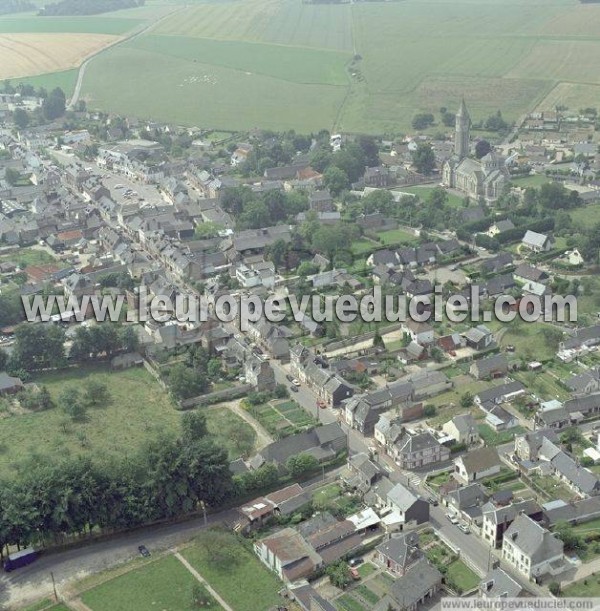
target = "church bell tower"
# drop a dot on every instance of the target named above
(462, 131)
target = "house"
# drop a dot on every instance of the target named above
(496, 520)
(409, 592)
(477, 464)
(323, 442)
(467, 501)
(363, 473)
(399, 553)
(500, 419)
(584, 383)
(411, 509)
(499, 584)
(496, 395)
(420, 332)
(419, 450)
(496, 264)
(479, 338)
(528, 273)
(537, 242)
(573, 257)
(499, 227)
(489, 367)
(463, 429)
(9, 385)
(288, 555)
(532, 550)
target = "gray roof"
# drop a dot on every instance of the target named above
(416, 443)
(403, 549)
(499, 584)
(532, 238)
(491, 364)
(402, 497)
(498, 515)
(415, 584)
(533, 540)
(468, 496)
(8, 382)
(480, 459)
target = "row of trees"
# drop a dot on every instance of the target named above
(41, 346)
(167, 478)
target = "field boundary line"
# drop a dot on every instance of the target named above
(202, 581)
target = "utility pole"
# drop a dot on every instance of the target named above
(54, 586)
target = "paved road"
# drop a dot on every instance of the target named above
(34, 582)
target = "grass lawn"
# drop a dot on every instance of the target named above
(462, 576)
(397, 236)
(281, 419)
(347, 602)
(424, 192)
(247, 586)
(535, 180)
(28, 256)
(332, 497)
(491, 438)
(230, 432)
(590, 586)
(45, 605)
(586, 216)
(553, 488)
(530, 341)
(366, 569)
(65, 79)
(591, 526)
(163, 584)
(139, 410)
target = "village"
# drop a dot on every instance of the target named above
(408, 460)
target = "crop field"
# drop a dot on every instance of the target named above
(66, 25)
(362, 67)
(30, 54)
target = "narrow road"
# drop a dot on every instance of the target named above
(141, 29)
(201, 580)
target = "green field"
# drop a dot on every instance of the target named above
(245, 586)
(408, 56)
(139, 411)
(164, 584)
(65, 79)
(95, 24)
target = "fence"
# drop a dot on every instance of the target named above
(216, 397)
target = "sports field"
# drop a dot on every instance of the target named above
(362, 67)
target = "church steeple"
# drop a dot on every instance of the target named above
(462, 131)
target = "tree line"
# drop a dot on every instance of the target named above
(77, 496)
(87, 7)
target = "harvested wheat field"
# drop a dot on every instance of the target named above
(31, 54)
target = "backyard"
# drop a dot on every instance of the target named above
(282, 418)
(233, 571)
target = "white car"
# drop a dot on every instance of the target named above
(465, 528)
(453, 519)
(296, 382)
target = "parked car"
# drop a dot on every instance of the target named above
(294, 388)
(17, 560)
(354, 574)
(143, 550)
(465, 528)
(295, 382)
(433, 501)
(453, 519)
(355, 561)
(289, 378)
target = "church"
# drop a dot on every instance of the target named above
(485, 178)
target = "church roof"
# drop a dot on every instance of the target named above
(462, 111)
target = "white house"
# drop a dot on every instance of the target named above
(476, 465)
(573, 257)
(531, 549)
(462, 429)
(538, 242)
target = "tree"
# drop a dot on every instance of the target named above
(21, 118)
(71, 402)
(54, 105)
(3, 359)
(38, 346)
(336, 180)
(222, 549)
(482, 148)
(241, 435)
(96, 393)
(466, 400)
(565, 532)
(185, 382)
(193, 426)
(339, 574)
(424, 158)
(423, 120)
(448, 118)
(554, 588)
(370, 150)
(429, 411)
(495, 123)
(300, 464)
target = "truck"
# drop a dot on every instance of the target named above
(20, 559)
